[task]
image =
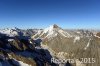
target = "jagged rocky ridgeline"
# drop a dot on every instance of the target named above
(74, 44)
(18, 32)
(23, 52)
(24, 48)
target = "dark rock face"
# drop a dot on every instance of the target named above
(55, 26)
(23, 50)
(29, 51)
(98, 34)
(37, 42)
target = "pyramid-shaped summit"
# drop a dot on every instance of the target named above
(52, 31)
(55, 26)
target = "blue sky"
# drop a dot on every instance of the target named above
(42, 13)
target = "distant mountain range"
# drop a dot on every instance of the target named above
(18, 32)
(36, 47)
(29, 32)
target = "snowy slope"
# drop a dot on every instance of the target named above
(20, 63)
(52, 31)
(10, 32)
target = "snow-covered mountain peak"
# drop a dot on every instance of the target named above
(55, 26)
(52, 31)
(10, 31)
(51, 28)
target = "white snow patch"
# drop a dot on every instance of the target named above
(10, 32)
(96, 36)
(38, 33)
(76, 39)
(44, 46)
(78, 32)
(21, 63)
(64, 33)
(51, 32)
(38, 47)
(88, 44)
(49, 29)
(10, 39)
(51, 35)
